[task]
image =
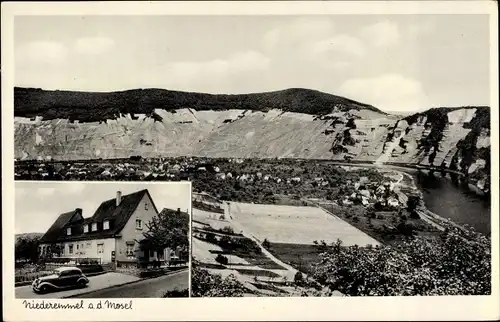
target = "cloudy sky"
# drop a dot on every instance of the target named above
(397, 63)
(38, 204)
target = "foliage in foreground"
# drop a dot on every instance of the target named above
(205, 284)
(177, 293)
(452, 266)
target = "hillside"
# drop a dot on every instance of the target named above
(294, 123)
(94, 107)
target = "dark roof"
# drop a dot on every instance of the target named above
(118, 216)
(61, 222)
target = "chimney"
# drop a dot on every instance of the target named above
(118, 198)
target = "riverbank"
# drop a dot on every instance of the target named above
(437, 220)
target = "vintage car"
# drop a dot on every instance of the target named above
(62, 278)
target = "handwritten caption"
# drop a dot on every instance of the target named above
(81, 305)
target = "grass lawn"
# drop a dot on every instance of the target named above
(300, 256)
(251, 255)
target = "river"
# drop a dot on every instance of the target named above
(450, 199)
(447, 197)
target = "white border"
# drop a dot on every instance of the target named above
(386, 308)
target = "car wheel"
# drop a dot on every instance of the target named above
(44, 289)
(82, 284)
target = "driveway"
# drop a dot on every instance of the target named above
(96, 283)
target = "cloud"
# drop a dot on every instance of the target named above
(297, 35)
(41, 52)
(206, 75)
(45, 192)
(341, 43)
(73, 187)
(93, 45)
(389, 92)
(381, 34)
(422, 28)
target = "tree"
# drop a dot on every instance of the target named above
(26, 248)
(167, 230)
(412, 203)
(266, 243)
(298, 278)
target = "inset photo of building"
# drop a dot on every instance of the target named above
(102, 240)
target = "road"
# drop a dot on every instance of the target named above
(149, 288)
(96, 283)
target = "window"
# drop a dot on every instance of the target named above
(106, 225)
(70, 250)
(77, 246)
(138, 224)
(146, 206)
(94, 226)
(89, 244)
(130, 250)
(85, 228)
(100, 248)
(68, 231)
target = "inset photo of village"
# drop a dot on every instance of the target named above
(102, 240)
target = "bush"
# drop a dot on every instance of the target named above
(151, 273)
(205, 284)
(414, 215)
(266, 243)
(298, 278)
(177, 293)
(222, 259)
(227, 230)
(210, 237)
(87, 269)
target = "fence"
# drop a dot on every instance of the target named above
(28, 277)
(63, 261)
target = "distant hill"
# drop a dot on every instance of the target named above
(292, 123)
(95, 106)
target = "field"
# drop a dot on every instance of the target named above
(296, 225)
(297, 255)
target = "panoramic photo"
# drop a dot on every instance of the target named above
(332, 155)
(101, 240)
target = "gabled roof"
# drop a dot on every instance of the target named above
(118, 216)
(62, 221)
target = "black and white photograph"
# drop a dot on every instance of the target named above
(299, 191)
(102, 240)
(219, 154)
